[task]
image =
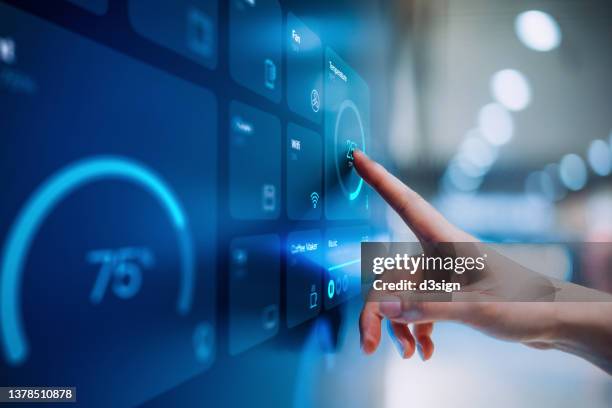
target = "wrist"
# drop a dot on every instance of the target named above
(585, 329)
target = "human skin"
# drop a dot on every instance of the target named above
(580, 328)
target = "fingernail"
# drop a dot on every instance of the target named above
(420, 350)
(395, 340)
(391, 308)
(412, 315)
(367, 344)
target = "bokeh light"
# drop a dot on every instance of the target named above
(599, 156)
(495, 124)
(573, 172)
(511, 88)
(477, 151)
(559, 191)
(538, 30)
(458, 180)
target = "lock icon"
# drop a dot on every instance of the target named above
(314, 297)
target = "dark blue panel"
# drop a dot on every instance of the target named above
(304, 70)
(255, 163)
(254, 291)
(108, 218)
(343, 263)
(304, 173)
(188, 27)
(255, 46)
(98, 7)
(304, 267)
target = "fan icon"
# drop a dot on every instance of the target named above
(315, 100)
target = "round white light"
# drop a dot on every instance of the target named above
(495, 124)
(537, 30)
(573, 172)
(600, 157)
(510, 88)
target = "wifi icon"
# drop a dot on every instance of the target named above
(314, 198)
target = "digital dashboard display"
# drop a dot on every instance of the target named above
(155, 228)
(108, 216)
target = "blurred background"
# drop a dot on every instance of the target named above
(499, 112)
(500, 115)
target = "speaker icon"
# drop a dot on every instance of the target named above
(314, 198)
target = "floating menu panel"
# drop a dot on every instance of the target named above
(254, 291)
(256, 46)
(347, 126)
(343, 264)
(304, 70)
(255, 163)
(304, 173)
(188, 27)
(304, 275)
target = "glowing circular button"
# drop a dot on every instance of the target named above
(331, 288)
(350, 106)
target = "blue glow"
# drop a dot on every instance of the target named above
(573, 172)
(355, 193)
(599, 156)
(43, 201)
(348, 104)
(343, 265)
(331, 288)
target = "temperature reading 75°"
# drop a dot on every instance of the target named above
(121, 268)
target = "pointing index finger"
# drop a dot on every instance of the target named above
(425, 221)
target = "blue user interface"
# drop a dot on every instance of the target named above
(304, 70)
(106, 239)
(256, 46)
(343, 263)
(179, 208)
(304, 276)
(187, 27)
(304, 173)
(255, 141)
(95, 6)
(254, 291)
(347, 124)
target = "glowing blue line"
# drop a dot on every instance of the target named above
(342, 265)
(42, 202)
(349, 104)
(355, 193)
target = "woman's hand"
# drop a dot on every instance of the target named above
(584, 329)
